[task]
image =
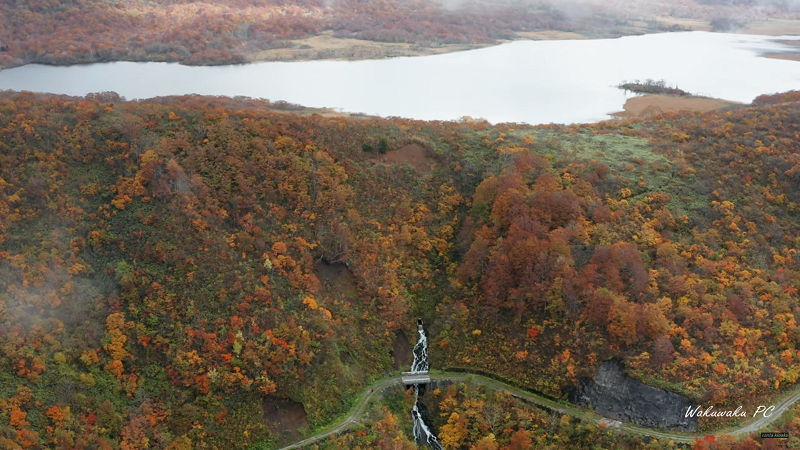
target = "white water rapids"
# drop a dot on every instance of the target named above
(422, 433)
(420, 363)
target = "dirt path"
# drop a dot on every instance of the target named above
(353, 417)
(764, 421)
(584, 415)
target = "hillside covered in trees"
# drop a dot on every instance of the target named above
(236, 31)
(170, 268)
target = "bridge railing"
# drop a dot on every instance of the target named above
(410, 378)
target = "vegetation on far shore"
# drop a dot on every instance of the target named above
(652, 87)
(218, 32)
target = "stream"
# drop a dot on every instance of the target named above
(421, 430)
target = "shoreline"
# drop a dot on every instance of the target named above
(786, 55)
(649, 105)
(783, 56)
(326, 47)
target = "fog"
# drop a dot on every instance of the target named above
(581, 9)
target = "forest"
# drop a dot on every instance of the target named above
(236, 31)
(169, 268)
(469, 416)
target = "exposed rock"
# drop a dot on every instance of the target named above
(613, 393)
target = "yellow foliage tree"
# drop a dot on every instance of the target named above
(454, 432)
(115, 324)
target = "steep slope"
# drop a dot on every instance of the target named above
(162, 279)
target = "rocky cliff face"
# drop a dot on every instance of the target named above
(613, 393)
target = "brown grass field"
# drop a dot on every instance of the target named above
(648, 105)
(326, 46)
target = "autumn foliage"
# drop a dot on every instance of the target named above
(229, 32)
(236, 31)
(163, 263)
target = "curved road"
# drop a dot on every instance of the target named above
(585, 415)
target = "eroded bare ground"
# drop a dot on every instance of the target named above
(411, 154)
(285, 417)
(402, 351)
(650, 105)
(337, 283)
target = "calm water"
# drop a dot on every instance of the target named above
(525, 81)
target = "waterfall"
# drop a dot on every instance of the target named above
(422, 433)
(420, 363)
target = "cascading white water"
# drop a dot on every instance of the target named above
(420, 363)
(422, 433)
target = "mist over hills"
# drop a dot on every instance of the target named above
(236, 31)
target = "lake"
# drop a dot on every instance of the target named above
(523, 81)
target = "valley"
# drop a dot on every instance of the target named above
(399, 225)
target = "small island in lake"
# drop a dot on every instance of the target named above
(652, 87)
(658, 97)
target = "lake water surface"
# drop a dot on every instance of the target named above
(523, 81)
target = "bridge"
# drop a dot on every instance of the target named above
(419, 367)
(411, 378)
